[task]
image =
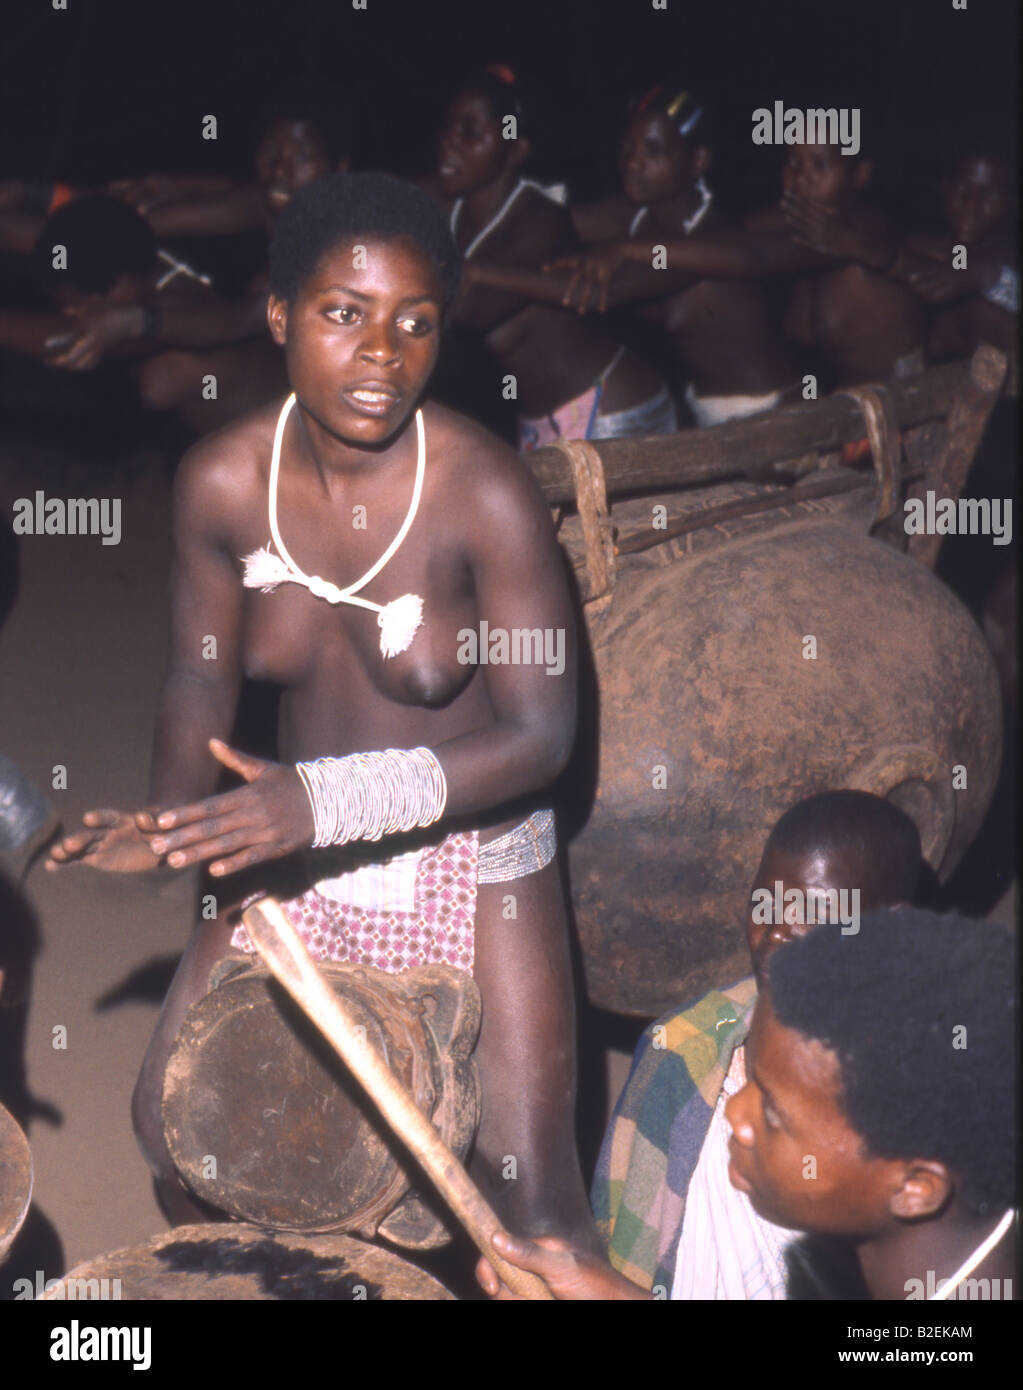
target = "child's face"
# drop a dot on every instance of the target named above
(788, 1111)
(822, 174)
(810, 874)
(656, 162)
(471, 151)
(976, 197)
(290, 155)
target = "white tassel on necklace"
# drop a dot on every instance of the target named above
(398, 620)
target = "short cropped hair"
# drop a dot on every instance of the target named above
(343, 208)
(877, 842)
(105, 239)
(919, 1010)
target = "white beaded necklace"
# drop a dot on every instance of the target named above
(502, 211)
(970, 1264)
(691, 223)
(398, 620)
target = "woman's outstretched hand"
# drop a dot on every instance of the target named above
(108, 840)
(266, 819)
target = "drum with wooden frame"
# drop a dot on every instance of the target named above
(235, 1261)
(263, 1122)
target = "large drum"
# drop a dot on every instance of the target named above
(740, 668)
(228, 1262)
(15, 1179)
(263, 1121)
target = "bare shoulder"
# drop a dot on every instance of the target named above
(225, 473)
(542, 226)
(476, 470)
(604, 219)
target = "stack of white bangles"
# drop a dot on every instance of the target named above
(366, 796)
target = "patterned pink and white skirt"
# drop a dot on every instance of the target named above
(416, 909)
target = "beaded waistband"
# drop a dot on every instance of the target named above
(523, 850)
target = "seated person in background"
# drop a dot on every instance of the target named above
(854, 324)
(189, 204)
(668, 1130)
(109, 265)
(303, 130)
(878, 1108)
(215, 337)
(974, 303)
(573, 380)
(729, 355)
(117, 299)
(24, 206)
(980, 303)
(174, 204)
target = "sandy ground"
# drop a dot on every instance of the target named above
(81, 657)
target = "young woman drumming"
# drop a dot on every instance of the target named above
(574, 380)
(360, 482)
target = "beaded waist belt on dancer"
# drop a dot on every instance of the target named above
(417, 908)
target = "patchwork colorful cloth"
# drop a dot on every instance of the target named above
(658, 1128)
(361, 925)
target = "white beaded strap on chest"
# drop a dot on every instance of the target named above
(981, 1252)
(398, 620)
(691, 223)
(637, 219)
(555, 192)
(498, 217)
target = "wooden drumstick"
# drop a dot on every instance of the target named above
(280, 946)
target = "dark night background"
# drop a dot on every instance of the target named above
(112, 87)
